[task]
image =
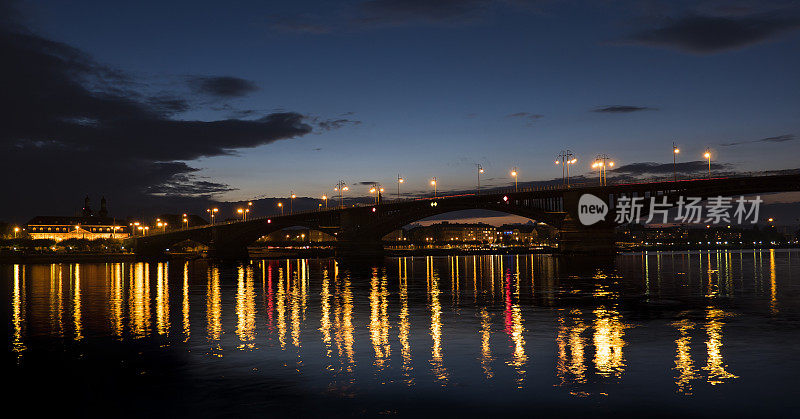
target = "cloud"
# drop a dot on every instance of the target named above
(652, 168)
(73, 126)
(712, 34)
(622, 109)
(777, 139)
(221, 86)
(331, 124)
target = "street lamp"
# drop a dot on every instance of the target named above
(480, 172)
(212, 211)
(514, 175)
(163, 225)
(565, 158)
(707, 155)
(325, 198)
(291, 202)
(341, 187)
(243, 212)
(280, 205)
(433, 183)
(601, 162)
(250, 204)
(376, 188)
(185, 221)
(675, 152)
(16, 230)
(399, 181)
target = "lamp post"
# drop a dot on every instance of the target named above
(376, 189)
(249, 205)
(213, 212)
(243, 212)
(185, 221)
(480, 172)
(433, 183)
(601, 162)
(399, 181)
(514, 175)
(16, 230)
(325, 198)
(675, 152)
(707, 155)
(341, 187)
(280, 205)
(291, 202)
(565, 158)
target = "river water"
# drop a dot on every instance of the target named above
(656, 334)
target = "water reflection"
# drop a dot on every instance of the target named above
(468, 318)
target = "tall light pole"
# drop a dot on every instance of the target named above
(675, 152)
(341, 187)
(325, 198)
(565, 158)
(16, 231)
(280, 205)
(249, 205)
(601, 162)
(707, 155)
(399, 181)
(243, 212)
(480, 172)
(433, 183)
(213, 212)
(291, 202)
(376, 189)
(185, 221)
(514, 175)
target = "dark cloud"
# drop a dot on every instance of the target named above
(712, 34)
(777, 139)
(72, 126)
(651, 168)
(331, 124)
(622, 109)
(221, 86)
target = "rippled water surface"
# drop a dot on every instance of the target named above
(654, 334)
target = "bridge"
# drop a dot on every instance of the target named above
(359, 230)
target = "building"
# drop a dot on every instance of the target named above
(86, 226)
(446, 232)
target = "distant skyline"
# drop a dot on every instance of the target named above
(171, 105)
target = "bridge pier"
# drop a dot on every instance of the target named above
(575, 238)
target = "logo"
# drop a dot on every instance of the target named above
(591, 209)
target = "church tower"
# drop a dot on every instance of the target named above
(103, 210)
(87, 208)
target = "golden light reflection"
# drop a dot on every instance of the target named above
(296, 306)
(486, 349)
(116, 300)
(571, 367)
(683, 358)
(214, 309)
(77, 313)
(405, 328)
(379, 321)
(245, 308)
(325, 309)
(343, 319)
(57, 299)
(185, 306)
(437, 364)
(162, 299)
(609, 331)
(139, 300)
(18, 308)
(715, 365)
(280, 307)
(773, 295)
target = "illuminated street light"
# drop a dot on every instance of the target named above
(433, 183)
(675, 152)
(601, 162)
(280, 205)
(399, 181)
(480, 172)
(707, 155)
(376, 188)
(565, 158)
(514, 175)
(185, 221)
(213, 212)
(341, 187)
(16, 230)
(291, 202)
(243, 212)
(325, 198)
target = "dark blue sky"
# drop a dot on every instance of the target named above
(367, 90)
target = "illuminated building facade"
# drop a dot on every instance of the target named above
(86, 226)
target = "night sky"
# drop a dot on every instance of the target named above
(170, 105)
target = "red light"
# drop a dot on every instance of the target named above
(505, 198)
(374, 209)
(269, 221)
